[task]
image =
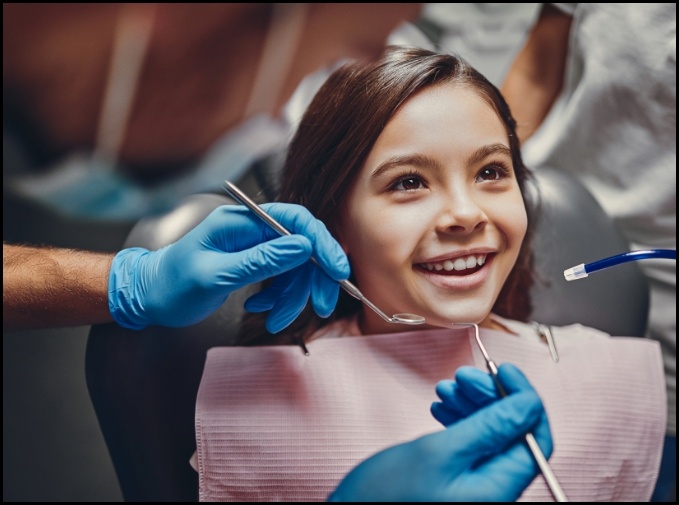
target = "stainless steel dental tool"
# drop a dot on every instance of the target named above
(540, 459)
(239, 196)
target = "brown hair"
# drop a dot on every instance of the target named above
(334, 138)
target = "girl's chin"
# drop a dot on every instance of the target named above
(449, 320)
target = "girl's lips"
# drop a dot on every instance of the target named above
(456, 279)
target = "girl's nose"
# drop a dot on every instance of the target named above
(461, 212)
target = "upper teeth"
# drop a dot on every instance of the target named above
(461, 263)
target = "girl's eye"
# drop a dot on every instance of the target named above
(408, 183)
(492, 173)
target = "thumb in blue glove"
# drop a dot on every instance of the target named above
(479, 457)
(183, 283)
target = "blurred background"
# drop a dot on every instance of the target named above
(69, 179)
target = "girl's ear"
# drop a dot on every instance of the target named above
(344, 245)
(338, 225)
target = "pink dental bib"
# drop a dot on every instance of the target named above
(275, 425)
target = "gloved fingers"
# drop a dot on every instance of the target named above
(543, 435)
(262, 261)
(327, 251)
(495, 426)
(291, 302)
(479, 388)
(505, 474)
(324, 292)
(513, 469)
(444, 414)
(445, 389)
(512, 379)
(231, 228)
(476, 385)
(471, 390)
(453, 405)
(267, 298)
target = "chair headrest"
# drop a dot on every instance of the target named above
(572, 228)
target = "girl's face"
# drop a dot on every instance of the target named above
(434, 221)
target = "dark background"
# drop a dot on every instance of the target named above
(53, 449)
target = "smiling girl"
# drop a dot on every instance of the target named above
(413, 164)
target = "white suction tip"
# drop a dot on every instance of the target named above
(577, 272)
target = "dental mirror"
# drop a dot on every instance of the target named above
(401, 318)
(238, 195)
(405, 318)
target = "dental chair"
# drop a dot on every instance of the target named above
(143, 384)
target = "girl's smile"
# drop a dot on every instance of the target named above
(467, 271)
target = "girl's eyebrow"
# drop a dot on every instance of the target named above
(485, 151)
(417, 160)
(424, 161)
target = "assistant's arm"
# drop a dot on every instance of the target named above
(47, 287)
(535, 78)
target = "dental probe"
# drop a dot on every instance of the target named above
(583, 270)
(242, 198)
(540, 459)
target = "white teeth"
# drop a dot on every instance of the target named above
(458, 264)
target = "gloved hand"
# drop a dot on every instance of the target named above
(480, 456)
(184, 282)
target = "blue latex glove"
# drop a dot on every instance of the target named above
(480, 456)
(183, 283)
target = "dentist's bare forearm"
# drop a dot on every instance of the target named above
(46, 287)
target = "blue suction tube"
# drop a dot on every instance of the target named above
(583, 270)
